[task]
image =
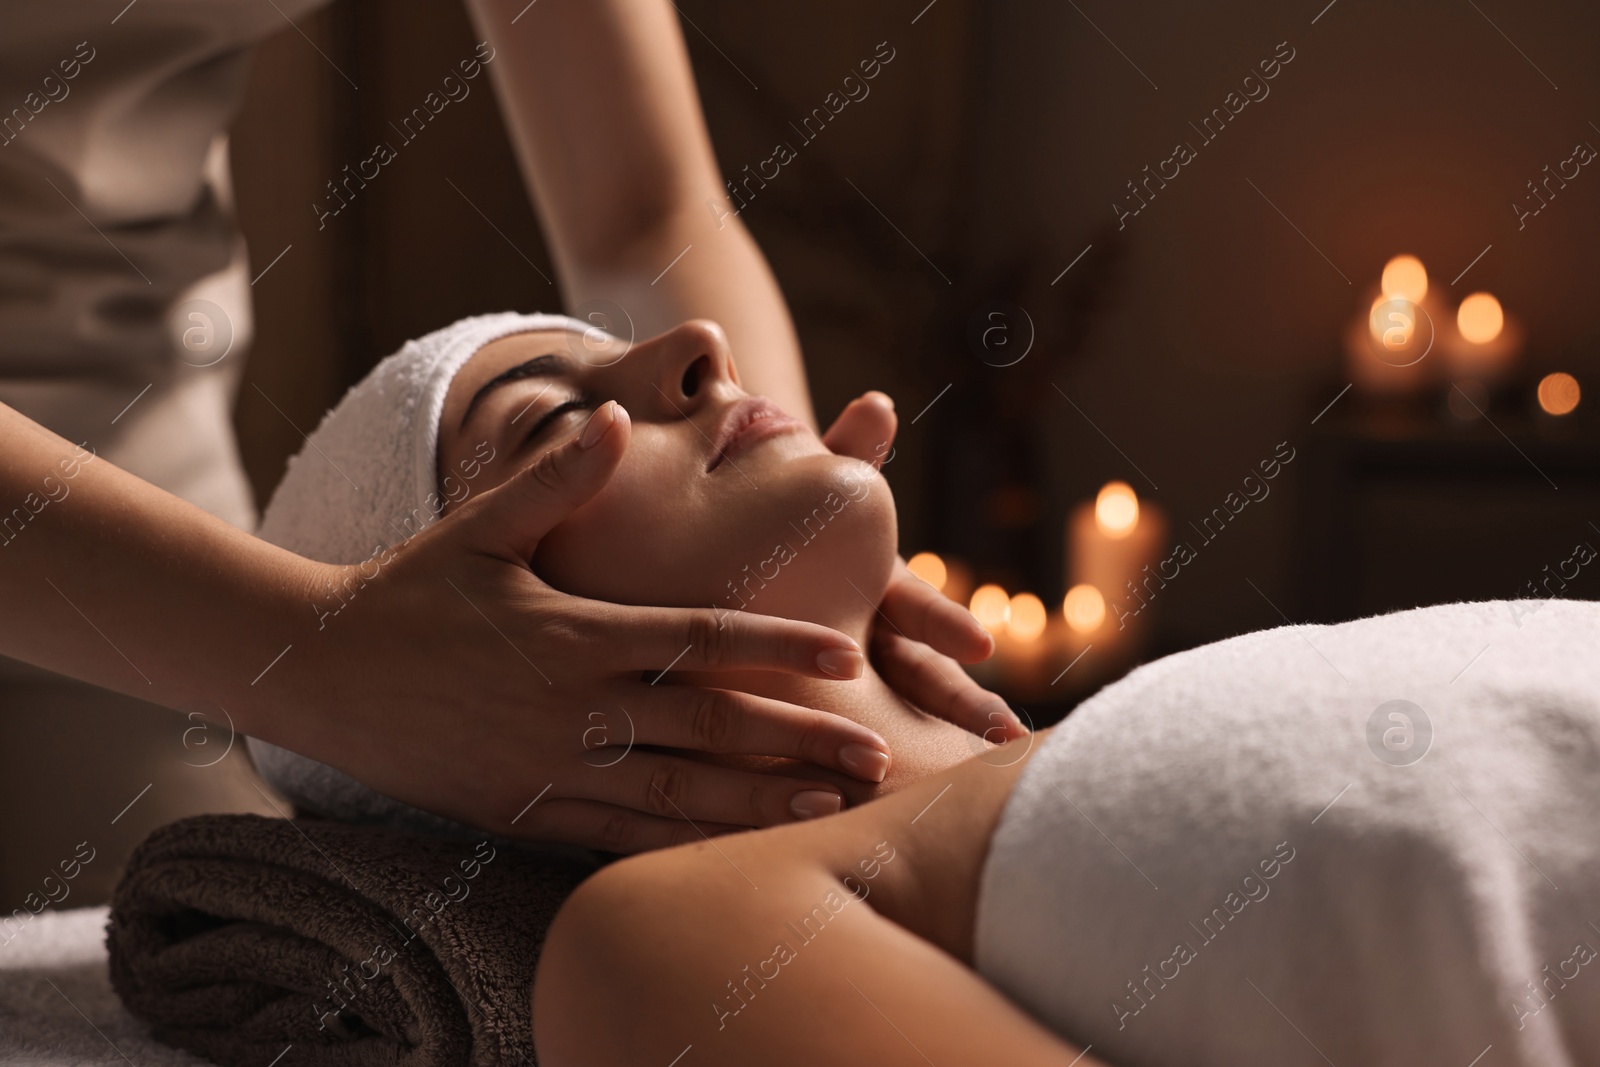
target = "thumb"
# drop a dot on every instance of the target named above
(864, 429)
(512, 518)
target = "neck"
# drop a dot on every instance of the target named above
(918, 743)
(860, 698)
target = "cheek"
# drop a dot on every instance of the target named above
(634, 542)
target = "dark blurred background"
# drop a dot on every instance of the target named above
(1176, 353)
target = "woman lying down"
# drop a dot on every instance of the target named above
(1373, 843)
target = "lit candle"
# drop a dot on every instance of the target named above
(1384, 350)
(1035, 648)
(1559, 393)
(1480, 318)
(1084, 608)
(1406, 278)
(1112, 540)
(1027, 618)
(1485, 342)
(1116, 510)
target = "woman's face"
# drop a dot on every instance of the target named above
(721, 500)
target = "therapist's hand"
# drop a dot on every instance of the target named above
(921, 634)
(511, 706)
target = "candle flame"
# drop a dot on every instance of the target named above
(1405, 278)
(1116, 510)
(1559, 393)
(1084, 608)
(1480, 318)
(1027, 617)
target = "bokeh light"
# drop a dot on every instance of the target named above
(1084, 608)
(1116, 510)
(1393, 321)
(1559, 393)
(1480, 318)
(1027, 617)
(991, 607)
(930, 568)
(1406, 278)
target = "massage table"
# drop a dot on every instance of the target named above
(56, 1004)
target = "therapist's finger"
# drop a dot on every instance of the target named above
(510, 520)
(672, 787)
(727, 722)
(920, 612)
(709, 639)
(864, 429)
(937, 684)
(610, 827)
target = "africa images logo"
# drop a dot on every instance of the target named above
(1399, 733)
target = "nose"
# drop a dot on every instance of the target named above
(691, 362)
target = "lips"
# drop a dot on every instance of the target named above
(751, 420)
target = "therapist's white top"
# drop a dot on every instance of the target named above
(114, 218)
(1235, 856)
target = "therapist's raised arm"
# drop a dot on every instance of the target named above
(454, 679)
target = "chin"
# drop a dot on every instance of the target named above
(831, 538)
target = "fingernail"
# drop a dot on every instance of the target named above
(864, 762)
(1004, 719)
(884, 398)
(841, 662)
(984, 637)
(600, 422)
(815, 803)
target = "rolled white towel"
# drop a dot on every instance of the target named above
(365, 480)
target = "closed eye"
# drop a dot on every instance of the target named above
(548, 419)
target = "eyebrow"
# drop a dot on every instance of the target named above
(549, 365)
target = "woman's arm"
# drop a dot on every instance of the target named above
(836, 941)
(600, 101)
(727, 970)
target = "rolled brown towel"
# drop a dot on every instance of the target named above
(244, 939)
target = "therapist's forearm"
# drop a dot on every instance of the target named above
(112, 580)
(723, 276)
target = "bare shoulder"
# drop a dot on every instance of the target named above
(662, 950)
(643, 959)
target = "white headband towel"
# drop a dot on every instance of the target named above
(368, 476)
(365, 479)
